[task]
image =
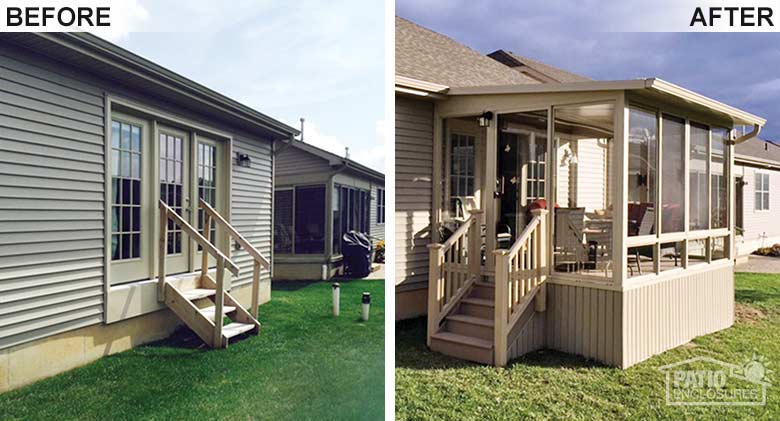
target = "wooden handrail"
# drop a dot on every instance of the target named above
(195, 235)
(259, 260)
(245, 244)
(523, 238)
(460, 232)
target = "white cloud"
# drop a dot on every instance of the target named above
(126, 16)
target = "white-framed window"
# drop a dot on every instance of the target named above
(762, 192)
(380, 206)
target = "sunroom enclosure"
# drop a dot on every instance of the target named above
(578, 202)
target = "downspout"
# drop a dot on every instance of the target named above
(747, 136)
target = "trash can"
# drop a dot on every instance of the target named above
(356, 248)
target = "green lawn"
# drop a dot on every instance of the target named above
(552, 385)
(304, 364)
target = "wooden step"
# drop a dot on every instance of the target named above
(477, 307)
(463, 347)
(210, 312)
(235, 328)
(483, 290)
(198, 293)
(475, 327)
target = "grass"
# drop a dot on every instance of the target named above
(304, 364)
(553, 385)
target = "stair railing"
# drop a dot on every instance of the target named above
(454, 266)
(520, 275)
(223, 262)
(210, 213)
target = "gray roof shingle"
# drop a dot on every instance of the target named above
(519, 63)
(760, 149)
(425, 55)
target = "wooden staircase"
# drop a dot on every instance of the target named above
(467, 332)
(474, 320)
(201, 301)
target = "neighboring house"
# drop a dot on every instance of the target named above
(92, 138)
(606, 231)
(756, 170)
(318, 197)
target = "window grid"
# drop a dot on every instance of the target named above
(380, 206)
(535, 170)
(762, 192)
(172, 185)
(126, 191)
(462, 166)
(207, 184)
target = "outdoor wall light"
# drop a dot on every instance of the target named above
(484, 119)
(243, 160)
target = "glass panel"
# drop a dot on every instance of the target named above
(310, 220)
(671, 255)
(697, 252)
(171, 186)
(583, 214)
(337, 211)
(718, 164)
(642, 164)
(206, 181)
(641, 260)
(698, 163)
(719, 248)
(673, 175)
(126, 191)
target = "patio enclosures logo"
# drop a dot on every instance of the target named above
(707, 381)
(732, 16)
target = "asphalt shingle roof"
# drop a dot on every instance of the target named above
(760, 149)
(559, 75)
(425, 55)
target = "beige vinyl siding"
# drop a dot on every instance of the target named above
(591, 177)
(413, 197)
(585, 321)
(251, 209)
(377, 229)
(51, 202)
(293, 162)
(670, 313)
(761, 228)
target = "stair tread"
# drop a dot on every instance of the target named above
(485, 284)
(198, 293)
(462, 339)
(209, 312)
(478, 301)
(235, 328)
(465, 318)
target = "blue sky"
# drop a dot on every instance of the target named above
(740, 69)
(323, 61)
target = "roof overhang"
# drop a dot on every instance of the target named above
(755, 162)
(416, 87)
(655, 85)
(93, 54)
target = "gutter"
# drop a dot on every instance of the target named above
(747, 136)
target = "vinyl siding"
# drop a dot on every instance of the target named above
(585, 321)
(51, 202)
(413, 197)
(293, 162)
(761, 229)
(251, 208)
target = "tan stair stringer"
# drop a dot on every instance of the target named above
(189, 313)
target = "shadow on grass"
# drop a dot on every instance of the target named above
(411, 352)
(298, 285)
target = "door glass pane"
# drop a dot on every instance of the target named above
(126, 195)
(171, 186)
(207, 170)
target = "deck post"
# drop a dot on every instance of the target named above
(475, 243)
(500, 318)
(489, 185)
(542, 266)
(219, 301)
(255, 289)
(435, 258)
(163, 252)
(204, 268)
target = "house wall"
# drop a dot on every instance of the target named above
(294, 166)
(52, 195)
(761, 227)
(377, 229)
(413, 203)
(51, 202)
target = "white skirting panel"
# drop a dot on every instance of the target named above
(664, 315)
(530, 336)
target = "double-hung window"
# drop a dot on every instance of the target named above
(762, 191)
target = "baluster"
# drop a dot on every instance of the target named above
(219, 301)
(204, 263)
